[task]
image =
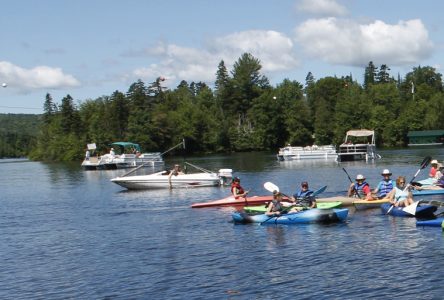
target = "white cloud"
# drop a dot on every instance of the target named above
(273, 49)
(346, 42)
(328, 8)
(36, 78)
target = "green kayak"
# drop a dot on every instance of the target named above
(263, 208)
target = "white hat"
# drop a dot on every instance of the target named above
(360, 177)
(434, 161)
(386, 172)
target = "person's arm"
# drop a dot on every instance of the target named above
(351, 188)
(270, 211)
(368, 193)
(169, 180)
(390, 196)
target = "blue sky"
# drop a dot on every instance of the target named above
(91, 48)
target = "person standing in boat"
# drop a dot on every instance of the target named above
(400, 195)
(360, 189)
(304, 197)
(385, 186)
(174, 172)
(112, 152)
(275, 207)
(237, 190)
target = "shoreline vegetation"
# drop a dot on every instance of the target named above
(242, 112)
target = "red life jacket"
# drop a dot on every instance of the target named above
(240, 190)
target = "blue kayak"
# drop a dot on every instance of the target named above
(433, 223)
(314, 215)
(427, 192)
(422, 211)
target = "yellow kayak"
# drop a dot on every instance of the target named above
(365, 204)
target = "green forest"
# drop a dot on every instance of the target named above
(242, 112)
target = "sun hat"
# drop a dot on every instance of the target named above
(360, 177)
(434, 162)
(386, 172)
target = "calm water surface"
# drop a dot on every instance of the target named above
(71, 234)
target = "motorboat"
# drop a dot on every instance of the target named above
(160, 180)
(358, 145)
(309, 152)
(122, 158)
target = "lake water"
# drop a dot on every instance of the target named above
(72, 234)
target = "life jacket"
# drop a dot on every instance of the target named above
(360, 189)
(240, 190)
(277, 206)
(304, 197)
(384, 188)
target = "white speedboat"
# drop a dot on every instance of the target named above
(160, 180)
(309, 152)
(112, 161)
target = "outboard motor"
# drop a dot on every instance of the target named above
(225, 176)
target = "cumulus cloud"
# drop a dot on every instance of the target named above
(346, 42)
(328, 8)
(273, 49)
(35, 78)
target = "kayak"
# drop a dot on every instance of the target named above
(314, 215)
(427, 192)
(230, 201)
(263, 208)
(365, 204)
(421, 211)
(346, 201)
(427, 181)
(438, 222)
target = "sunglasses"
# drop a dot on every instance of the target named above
(401, 182)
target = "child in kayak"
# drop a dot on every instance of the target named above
(237, 190)
(400, 195)
(275, 208)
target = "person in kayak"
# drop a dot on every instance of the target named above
(237, 190)
(433, 168)
(275, 208)
(360, 189)
(385, 186)
(400, 195)
(304, 197)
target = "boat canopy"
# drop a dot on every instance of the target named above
(360, 132)
(126, 145)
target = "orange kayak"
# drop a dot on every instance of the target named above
(230, 201)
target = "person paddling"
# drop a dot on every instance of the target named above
(275, 207)
(360, 189)
(237, 190)
(400, 196)
(304, 197)
(385, 186)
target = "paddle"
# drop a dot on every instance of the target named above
(412, 209)
(356, 192)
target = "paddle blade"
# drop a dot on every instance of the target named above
(271, 187)
(411, 209)
(321, 190)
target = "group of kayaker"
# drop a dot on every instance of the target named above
(302, 199)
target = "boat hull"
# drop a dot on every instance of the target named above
(231, 201)
(307, 216)
(422, 211)
(160, 181)
(263, 208)
(438, 222)
(427, 192)
(367, 204)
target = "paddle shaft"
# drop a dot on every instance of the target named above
(356, 192)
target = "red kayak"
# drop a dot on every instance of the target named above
(230, 201)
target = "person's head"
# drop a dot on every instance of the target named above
(360, 178)
(304, 185)
(434, 163)
(236, 180)
(277, 195)
(400, 181)
(176, 167)
(386, 174)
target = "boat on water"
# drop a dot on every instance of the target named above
(423, 211)
(161, 180)
(263, 208)
(361, 204)
(438, 222)
(310, 152)
(313, 215)
(358, 145)
(126, 155)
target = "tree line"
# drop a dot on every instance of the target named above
(243, 112)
